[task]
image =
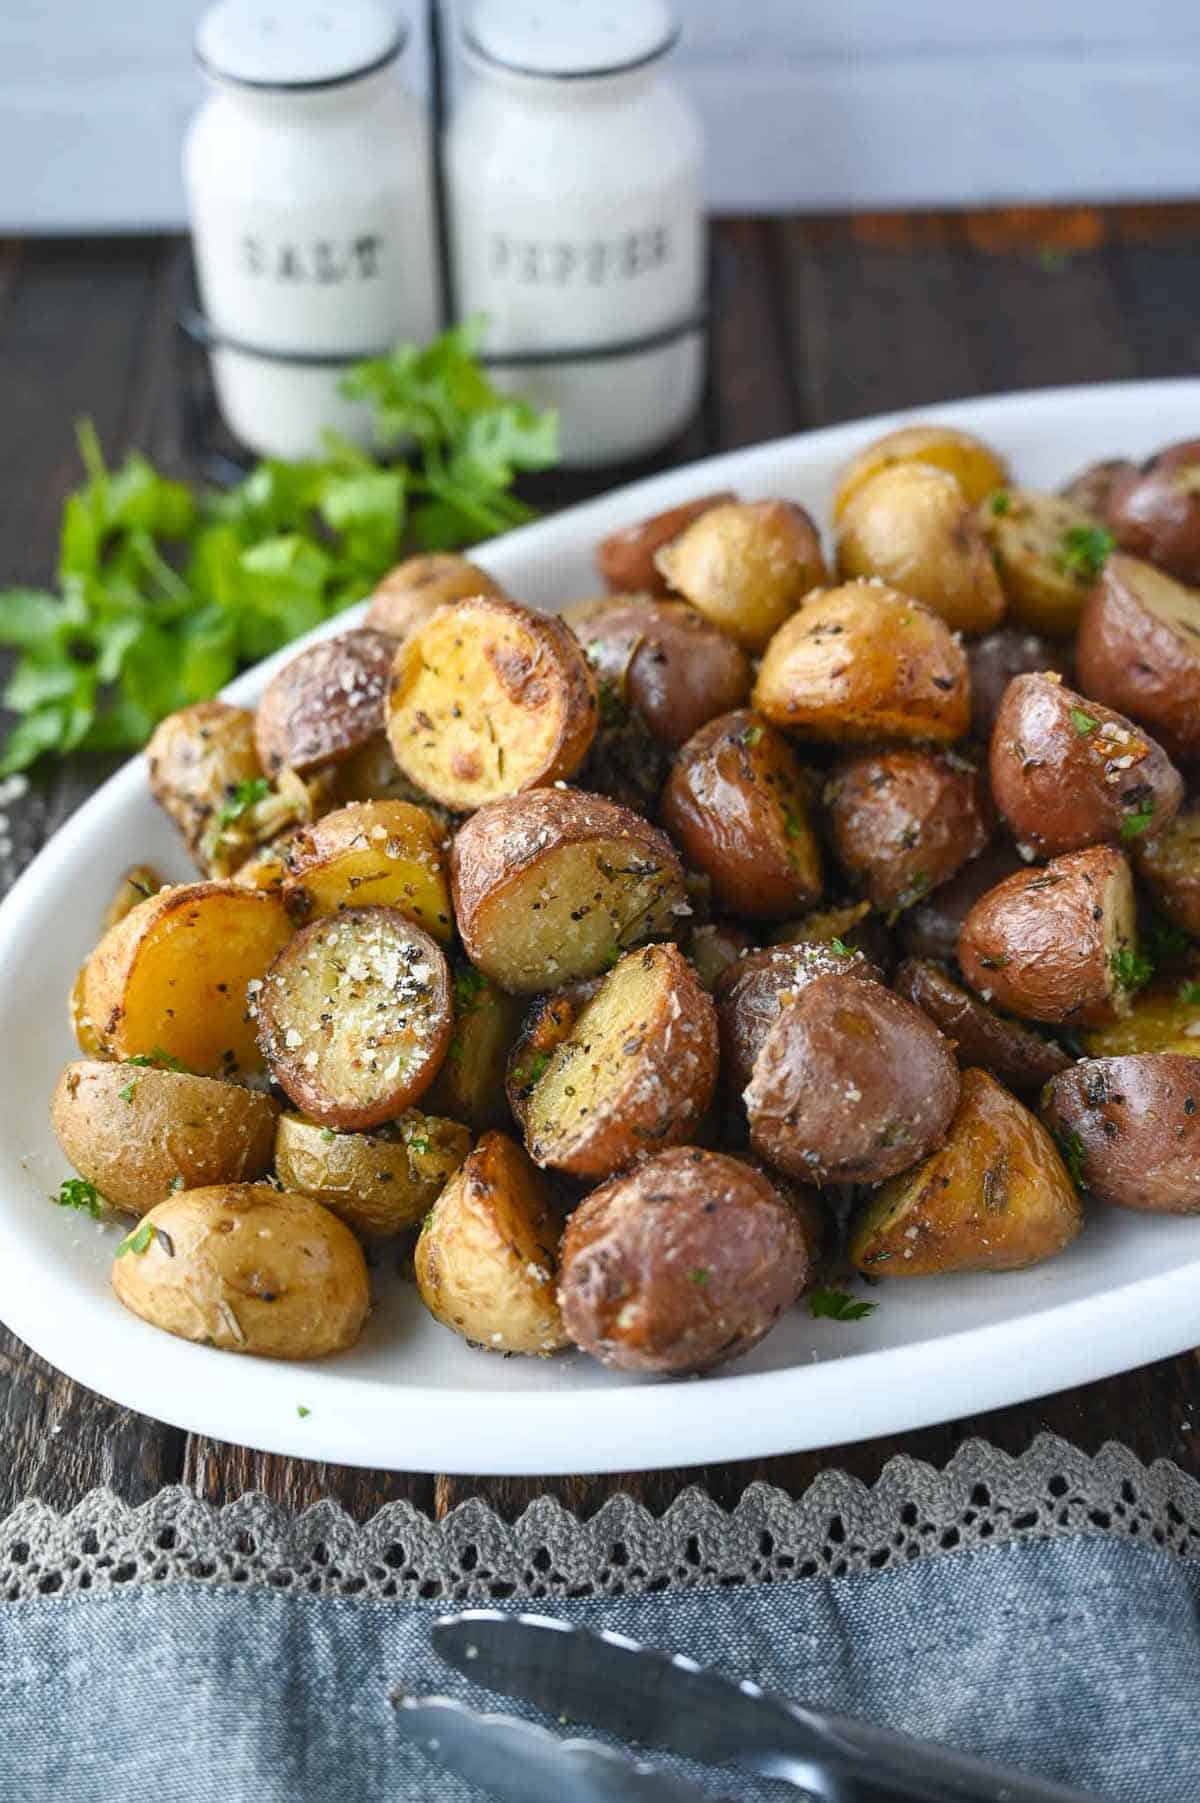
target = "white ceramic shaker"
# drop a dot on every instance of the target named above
(576, 217)
(308, 175)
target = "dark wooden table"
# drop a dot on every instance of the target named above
(822, 320)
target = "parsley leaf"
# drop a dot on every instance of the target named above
(137, 1241)
(1130, 968)
(302, 1411)
(1136, 822)
(1071, 1147)
(246, 795)
(700, 1276)
(77, 1192)
(469, 985)
(836, 1305)
(1190, 993)
(1083, 551)
(1083, 723)
(126, 1094)
(839, 946)
(1001, 502)
(158, 1060)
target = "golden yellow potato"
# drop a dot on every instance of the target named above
(416, 588)
(1163, 1017)
(86, 1036)
(172, 976)
(911, 527)
(995, 1197)
(487, 1258)
(470, 1084)
(1047, 554)
(746, 565)
(139, 881)
(976, 469)
(205, 771)
(377, 1183)
(140, 1133)
(242, 1267)
(385, 853)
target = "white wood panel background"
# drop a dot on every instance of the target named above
(809, 104)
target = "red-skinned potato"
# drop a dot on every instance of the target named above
(1155, 511)
(1058, 944)
(1169, 864)
(325, 704)
(993, 662)
(1139, 650)
(1014, 1054)
(626, 559)
(1068, 772)
(680, 1265)
(1093, 488)
(930, 928)
(751, 992)
(746, 566)
(737, 804)
(662, 659)
(905, 821)
(1130, 1130)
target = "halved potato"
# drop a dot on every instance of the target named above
(864, 662)
(86, 1036)
(378, 1183)
(405, 598)
(746, 565)
(556, 884)
(326, 703)
(470, 1086)
(1130, 1130)
(199, 758)
(242, 1267)
(139, 1133)
(487, 699)
(911, 527)
(635, 1074)
(1139, 650)
(1163, 1017)
(1169, 864)
(625, 559)
(139, 882)
(487, 1258)
(354, 1016)
(548, 1021)
(173, 975)
(975, 467)
(385, 853)
(1047, 554)
(995, 1197)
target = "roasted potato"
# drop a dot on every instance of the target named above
(1047, 554)
(930, 928)
(139, 882)
(139, 1133)
(905, 821)
(1012, 1052)
(737, 804)
(86, 1036)
(1093, 488)
(746, 566)
(244, 1268)
(556, 884)
(326, 703)
(406, 597)
(487, 1258)
(751, 992)
(680, 1265)
(487, 699)
(1129, 1129)
(1168, 862)
(1162, 1017)
(664, 661)
(1057, 945)
(354, 1016)
(388, 853)
(846, 926)
(995, 1197)
(994, 661)
(378, 1183)
(852, 1084)
(172, 976)
(864, 662)
(1067, 772)
(1155, 511)
(911, 526)
(626, 763)
(712, 947)
(265, 868)
(974, 466)
(1139, 649)
(470, 1086)
(626, 559)
(548, 1021)
(636, 1072)
(205, 771)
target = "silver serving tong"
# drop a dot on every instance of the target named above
(666, 1700)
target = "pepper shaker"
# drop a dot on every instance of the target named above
(574, 173)
(309, 182)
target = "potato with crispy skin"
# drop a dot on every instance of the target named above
(863, 662)
(626, 559)
(751, 993)
(548, 1020)
(139, 1133)
(487, 1258)
(470, 1086)
(993, 661)
(378, 1183)
(556, 884)
(172, 976)
(1168, 862)
(406, 597)
(737, 803)
(851, 1085)
(995, 1197)
(635, 1073)
(975, 467)
(1093, 488)
(911, 527)
(662, 660)
(1155, 511)
(488, 699)
(326, 703)
(1012, 1052)
(680, 1265)
(1139, 650)
(205, 771)
(1129, 1129)
(746, 566)
(1047, 554)
(1068, 772)
(386, 853)
(244, 1268)
(1058, 944)
(905, 821)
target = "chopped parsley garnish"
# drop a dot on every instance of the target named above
(1083, 551)
(752, 735)
(1135, 824)
(536, 1069)
(836, 1305)
(1130, 968)
(158, 1060)
(302, 1411)
(839, 946)
(126, 1094)
(327, 1133)
(793, 823)
(700, 1276)
(1083, 723)
(469, 985)
(1190, 993)
(77, 1192)
(137, 1241)
(177, 1182)
(1001, 502)
(613, 958)
(246, 795)
(417, 1142)
(1071, 1147)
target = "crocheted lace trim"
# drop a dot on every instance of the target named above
(840, 1525)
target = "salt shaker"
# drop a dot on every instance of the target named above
(309, 181)
(574, 175)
